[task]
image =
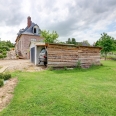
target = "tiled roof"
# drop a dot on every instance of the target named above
(28, 30)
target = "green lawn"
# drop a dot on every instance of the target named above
(78, 92)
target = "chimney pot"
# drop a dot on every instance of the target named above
(28, 21)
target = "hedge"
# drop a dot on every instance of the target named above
(3, 77)
(6, 76)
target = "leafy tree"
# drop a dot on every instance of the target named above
(6, 43)
(49, 37)
(4, 47)
(106, 42)
(114, 45)
(71, 41)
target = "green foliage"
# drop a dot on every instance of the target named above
(1, 76)
(106, 42)
(4, 56)
(71, 41)
(1, 50)
(7, 44)
(78, 64)
(1, 82)
(4, 52)
(49, 37)
(65, 68)
(6, 48)
(6, 76)
(1, 56)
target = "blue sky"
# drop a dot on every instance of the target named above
(79, 19)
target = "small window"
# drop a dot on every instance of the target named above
(34, 30)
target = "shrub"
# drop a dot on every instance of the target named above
(6, 76)
(1, 50)
(1, 56)
(5, 48)
(1, 76)
(65, 68)
(78, 64)
(4, 56)
(4, 52)
(1, 82)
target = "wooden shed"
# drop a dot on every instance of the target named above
(61, 55)
(66, 55)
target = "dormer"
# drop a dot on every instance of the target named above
(36, 30)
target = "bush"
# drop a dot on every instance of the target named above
(4, 53)
(1, 56)
(5, 48)
(1, 76)
(1, 50)
(78, 65)
(65, 68)
(6, 76)
(4, 56)
(1, 82)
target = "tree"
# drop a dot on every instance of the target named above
(71, 41)
(106, 42)
(49, 37)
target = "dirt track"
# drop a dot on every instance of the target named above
(6, 92)
(23, 65)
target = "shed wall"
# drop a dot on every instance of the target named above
(69, 56)
(89, 56)
(60, 56)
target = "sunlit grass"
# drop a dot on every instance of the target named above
(78, 92)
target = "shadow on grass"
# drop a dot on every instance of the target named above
(68, 70)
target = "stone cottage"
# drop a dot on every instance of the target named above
(25, 36)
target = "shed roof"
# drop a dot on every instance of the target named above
(73, 45)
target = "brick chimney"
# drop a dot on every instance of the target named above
(28, 21)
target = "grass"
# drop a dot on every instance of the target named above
(78, 92)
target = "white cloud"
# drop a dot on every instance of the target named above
(83, 20)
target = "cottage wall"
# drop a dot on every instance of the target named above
(22, 45)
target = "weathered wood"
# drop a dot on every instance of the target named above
(63, 60)
(65, 55)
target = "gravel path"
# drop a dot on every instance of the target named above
(23, 65)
